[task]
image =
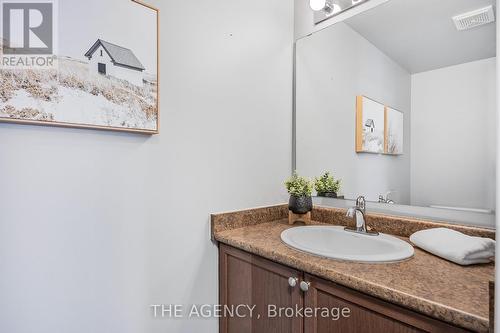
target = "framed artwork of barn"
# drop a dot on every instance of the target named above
(104, 72)
(379, 128)
(370, 118)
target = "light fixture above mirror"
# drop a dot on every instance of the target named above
(317, 4)
(330, 8)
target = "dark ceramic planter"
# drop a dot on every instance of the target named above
(300, 205)
(328, 194)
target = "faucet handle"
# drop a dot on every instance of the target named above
(361, 202)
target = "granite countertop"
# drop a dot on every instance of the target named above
(425, 283)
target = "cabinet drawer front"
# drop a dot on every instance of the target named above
(367, 313)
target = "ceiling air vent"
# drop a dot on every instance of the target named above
(474, 18)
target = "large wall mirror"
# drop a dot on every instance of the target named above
(399, 102)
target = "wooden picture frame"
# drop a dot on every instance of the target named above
(390, 140)
(370, 125)
(145, 99)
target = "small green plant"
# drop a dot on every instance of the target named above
(327, 184)
(299, 186)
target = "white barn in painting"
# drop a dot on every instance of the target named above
(370, 126)
(110, 59)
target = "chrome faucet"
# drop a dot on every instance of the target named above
(381, 199)
(359, 219)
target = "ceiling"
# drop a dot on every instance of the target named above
(421, 36)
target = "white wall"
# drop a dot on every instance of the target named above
(453, 136)
(329, 78)
(96, 226)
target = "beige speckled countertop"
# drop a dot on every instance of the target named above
(425, 283)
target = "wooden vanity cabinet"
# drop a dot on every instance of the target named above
(248, 279)
(251, 280)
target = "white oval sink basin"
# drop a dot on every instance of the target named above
(336, 243)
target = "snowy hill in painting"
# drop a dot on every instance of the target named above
(72, 94)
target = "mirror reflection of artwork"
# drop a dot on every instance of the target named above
(394, 132)
(370, 125)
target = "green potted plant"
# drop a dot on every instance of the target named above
(327, 186)
(300, 190)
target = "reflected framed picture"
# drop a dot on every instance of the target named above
(370, 125)
(394, 129)
(103, 73)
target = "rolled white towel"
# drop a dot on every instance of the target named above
(455, 246)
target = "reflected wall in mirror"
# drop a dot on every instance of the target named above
(438, 85)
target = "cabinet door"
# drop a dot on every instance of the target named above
(366, 313)
(251, 280)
